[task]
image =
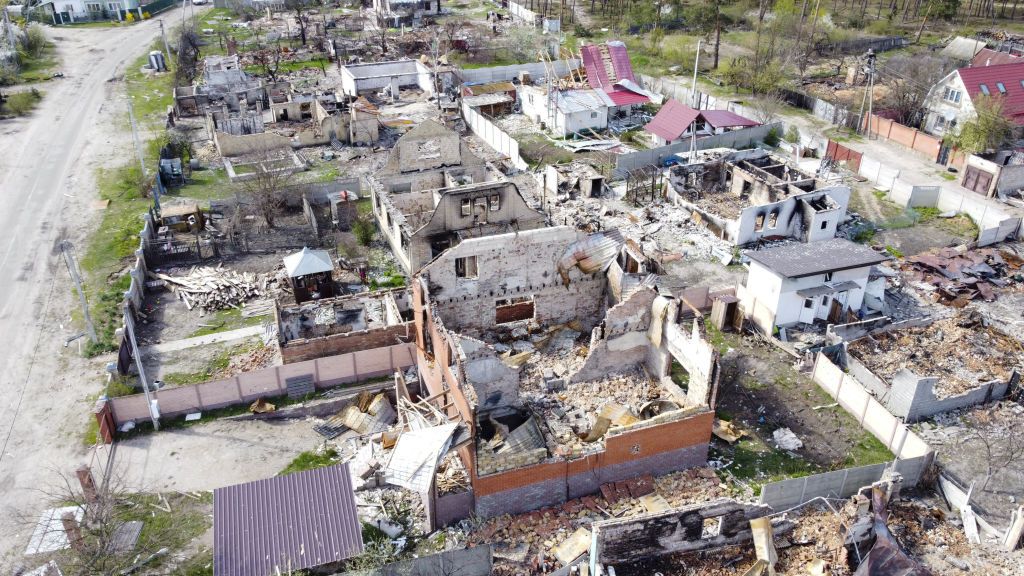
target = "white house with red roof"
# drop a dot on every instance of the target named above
(950, 102)
(675, 122)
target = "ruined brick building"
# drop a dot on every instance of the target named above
(562, 379)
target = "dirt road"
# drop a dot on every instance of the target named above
(47, 189)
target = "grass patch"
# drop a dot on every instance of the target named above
(188, 519)
(840, 134)
(756, 463)
(948, 176)
(960, 225)
(21, 103)
(205, 185)
(199, 565)
(218, 363)
(39, 67)
(893, 251)
(224, 320)
(310, 460)
(867, 450)
(150, 94)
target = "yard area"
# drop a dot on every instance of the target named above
(760, 391)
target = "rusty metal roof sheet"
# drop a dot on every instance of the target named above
(298, 521)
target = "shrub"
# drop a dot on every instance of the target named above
(793, 134)
(34, 41)
(21, 103)
(581, 31)
(772, 138)
(365, 230)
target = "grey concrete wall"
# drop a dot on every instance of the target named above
(913, 397)
(621, 342)
(843, 483)
(1011, 179)
(494, 382)
(655, 156)
(505, 73)
(698, 357)
(495, 137)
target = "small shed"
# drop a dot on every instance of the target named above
(310, 274)
(181, 217)
(305, 520)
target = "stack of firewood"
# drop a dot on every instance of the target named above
(213, 288)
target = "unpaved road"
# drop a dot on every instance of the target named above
(47, 189)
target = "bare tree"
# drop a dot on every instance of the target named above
(97, 515)
(1002, 445)
(264, 184)
(187, 69)
(767, 107)
(451, 28)
(909, 79)
(268, 60)
(300, 7)
(380, 35)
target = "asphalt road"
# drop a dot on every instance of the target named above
(47, 189)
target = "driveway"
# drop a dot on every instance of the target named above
(47, 187)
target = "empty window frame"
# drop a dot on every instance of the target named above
(773, 219)
(467, 206)
(759, 223)
(495, 202)
(828, 276)
(513, 309)
(466, 267)
(809, 303)
(824, 224)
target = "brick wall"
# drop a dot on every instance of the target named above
(310, 348)
(653, 450)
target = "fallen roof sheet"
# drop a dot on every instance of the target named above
(415, 458)
(591, 254)
(292, 522)
(600, 59)
(963, 48)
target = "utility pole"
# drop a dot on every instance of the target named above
(167, 47)
(129, 328)
(67, 248)
(696, 106)
(871, 87)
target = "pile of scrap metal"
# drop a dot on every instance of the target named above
(958, 275)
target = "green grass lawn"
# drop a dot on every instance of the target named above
(39, 68)
(310, 460)
(218, 363)
(150, 94)
(224, 320)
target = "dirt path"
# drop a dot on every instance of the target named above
(47, 184)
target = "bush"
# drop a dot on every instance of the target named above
(581, 31)
(793, 134)
(34, 42)
(772, 138)
(365, 230)
(21, 103)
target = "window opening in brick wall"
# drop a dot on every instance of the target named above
(466, 267)
(513, 309)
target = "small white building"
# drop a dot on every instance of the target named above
(568, 111)
(801, 283)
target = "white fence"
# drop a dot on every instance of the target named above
(494, 137)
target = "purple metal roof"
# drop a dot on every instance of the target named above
(301, 520)
(672, 120)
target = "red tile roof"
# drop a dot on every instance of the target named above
(594, 61)
(988, 57)
(1011, 76)
(675, 117)
(623, 97)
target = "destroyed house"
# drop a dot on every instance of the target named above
(751, 195)
(386, 77)
(343, 324)
(564, 387)
(921, 370)
(433, 192)
(804, 283)
(397, 13)
(224, 82)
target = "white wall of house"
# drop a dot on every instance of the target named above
(772, 300)
(947, 98)
(567, 123)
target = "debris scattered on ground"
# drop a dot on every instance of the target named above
(961, 352)
(785, 439)
(213, 288)
(958, 275)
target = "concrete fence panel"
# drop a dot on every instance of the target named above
(494, 137)
(266, 383)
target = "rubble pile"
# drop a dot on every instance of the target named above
(256, 359)
(961, 352)
(957, 275)
(577, 415)
(527, 542)
(213, 288)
